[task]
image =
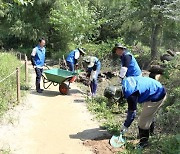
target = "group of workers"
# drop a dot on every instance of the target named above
(93, 66)
(134, 87)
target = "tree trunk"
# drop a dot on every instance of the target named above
(156, 28)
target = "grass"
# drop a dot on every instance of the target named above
(9, 62)
(167, 138)
(111, 118)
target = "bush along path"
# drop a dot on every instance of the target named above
(50, 123)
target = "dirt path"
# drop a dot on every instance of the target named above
(49, 123)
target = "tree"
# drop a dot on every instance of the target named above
(154, 14)
(22, 25)
(74, 21)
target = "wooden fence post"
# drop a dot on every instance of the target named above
(26, 69)
(18, 84)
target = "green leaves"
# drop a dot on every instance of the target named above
(74, 20)
(24, 2)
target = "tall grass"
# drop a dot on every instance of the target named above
(9, 62)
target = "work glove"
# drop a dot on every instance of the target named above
(123, 72)
(123, 129)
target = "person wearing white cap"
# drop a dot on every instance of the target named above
(72, 58)
(129, 65)
(93, 69)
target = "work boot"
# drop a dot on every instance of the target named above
(144, 136)
(38, 88)
(39, 91)
(151, 130)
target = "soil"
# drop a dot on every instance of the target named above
(51, 123)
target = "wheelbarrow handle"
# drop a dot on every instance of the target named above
(47, 67)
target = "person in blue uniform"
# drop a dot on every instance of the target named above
(93, 69)
(147, 91)
(129, 65)
(38, 61)
(72, 58)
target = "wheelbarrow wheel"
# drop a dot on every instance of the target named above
(63, 88)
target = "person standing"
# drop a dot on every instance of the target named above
(93, 69)
(72, 58)
(151, 94)
(38, 61)
(129, 65)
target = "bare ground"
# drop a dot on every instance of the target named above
(51, 123)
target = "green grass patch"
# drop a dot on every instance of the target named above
(8, 88)
(161, 144)
(108, 115)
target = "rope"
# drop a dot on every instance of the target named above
(8, 76)
(11, 73)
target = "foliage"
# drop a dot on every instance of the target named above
(24, 2)
(23, 25)
(8, 87)
(170, 117)
(165, 144)
(82, 22)
(167, 119)
(142, 55)
(105, 113)
(74, 21)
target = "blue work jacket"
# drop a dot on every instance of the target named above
(71, 57)
(40, 56)
(148, 88)
(133, 68)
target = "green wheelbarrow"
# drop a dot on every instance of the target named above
(58, 76)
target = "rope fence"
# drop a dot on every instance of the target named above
(18, 74)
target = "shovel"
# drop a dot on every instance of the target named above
(117, 141)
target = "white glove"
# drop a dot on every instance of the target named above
(123, 72)
(93, 75)
(123, 129)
